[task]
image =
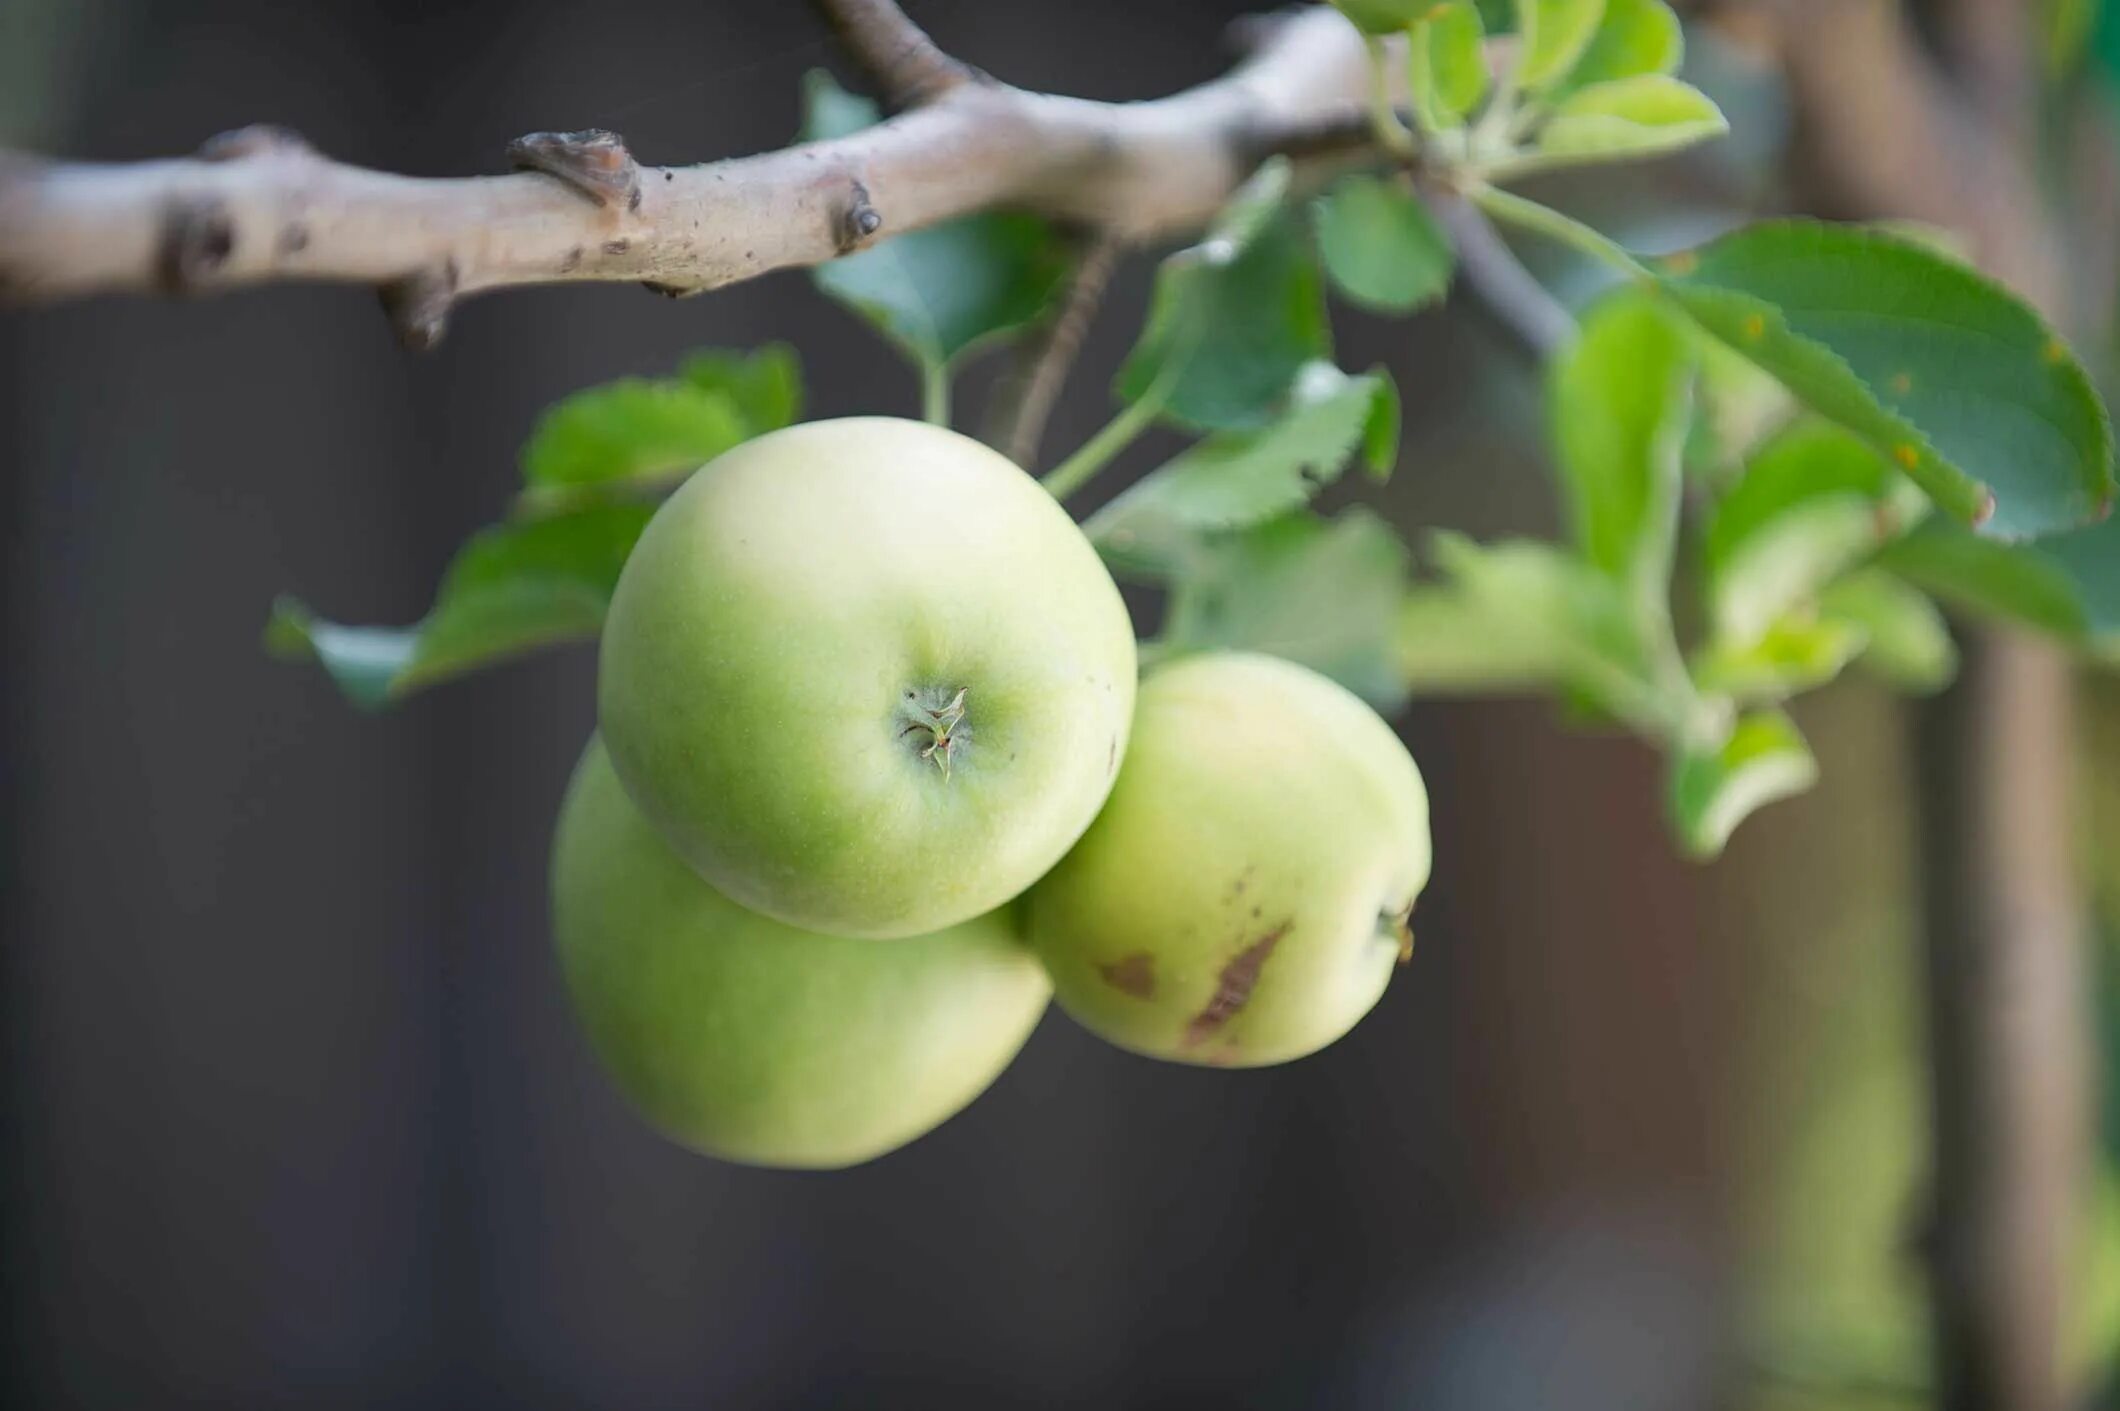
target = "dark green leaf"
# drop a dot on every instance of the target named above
(1446, 65)
(2067, 585)
(513, 587)
(941, 291)
(1634, 37)
(1944, 371)
(1239, 478)
(1620, 399)
(1815, 501)
(1905, 639)
(1233, 318)
(1382, 249)
(1324, 593)
(1712, 791)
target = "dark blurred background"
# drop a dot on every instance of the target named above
(294, 1110)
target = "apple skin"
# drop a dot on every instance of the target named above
(792, 631)
(752, 1041)
(1243, 897)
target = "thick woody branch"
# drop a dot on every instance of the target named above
(248, 211)
(897, 53)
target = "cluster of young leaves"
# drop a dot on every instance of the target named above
(1588, 81)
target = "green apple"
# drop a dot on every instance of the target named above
(753, 1041)
(866, 676)
(1244, 896)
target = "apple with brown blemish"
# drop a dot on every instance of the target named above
(1245, 895)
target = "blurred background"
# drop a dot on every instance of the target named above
(294, 1110)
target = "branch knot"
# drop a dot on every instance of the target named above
(594, 162)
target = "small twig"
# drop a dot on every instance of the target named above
(1024, 403)
(1503, 285)
(897, 54)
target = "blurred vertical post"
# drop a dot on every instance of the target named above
(1896, 129)
(2008, 1054)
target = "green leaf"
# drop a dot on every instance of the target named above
(1644, 116)
(1446, 65)
(938, 292)
(1233, 318)
(1382, 249)
(1554, 35)
(1619, 399)
(1519, 616)
(1944, 371)
(1381, 16)
(1634, 37)
(513, 587)
(765, 383)
(1905, 639)
(2067, 585)
(1815, 501)
(1791, 655)
(1324, 593)
(636, 436)
(1239, 478)
(1712, 791)
(626, 437)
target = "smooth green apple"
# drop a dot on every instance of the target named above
(753, 1041)
(1244, 896)
(866, 676)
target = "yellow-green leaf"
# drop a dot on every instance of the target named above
(1643, 116)
(1553, 35)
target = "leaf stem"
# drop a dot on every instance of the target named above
(935, 393)
(1544, 220)
(1076, 471)
(1391, 130)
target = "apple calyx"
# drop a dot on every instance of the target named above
(937, 729)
